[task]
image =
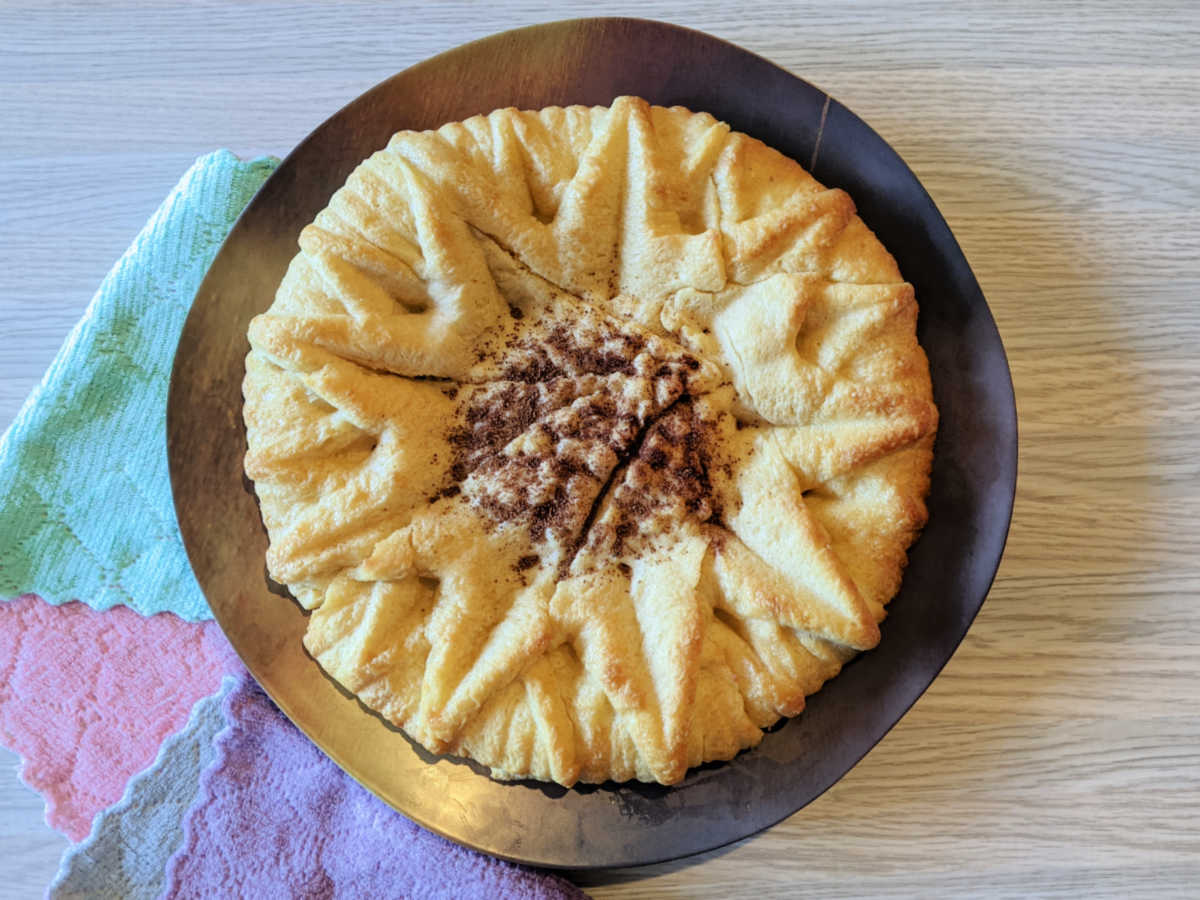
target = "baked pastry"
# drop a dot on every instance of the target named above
(593, 438)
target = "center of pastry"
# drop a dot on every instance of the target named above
(582, 422)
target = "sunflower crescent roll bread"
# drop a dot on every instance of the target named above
(593, 438)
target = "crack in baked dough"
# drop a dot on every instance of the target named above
(536, 421)
(619, 470)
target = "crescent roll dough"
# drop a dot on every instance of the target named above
(593, 438)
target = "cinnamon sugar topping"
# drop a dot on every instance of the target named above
(572, 423)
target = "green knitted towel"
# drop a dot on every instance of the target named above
(86, 508)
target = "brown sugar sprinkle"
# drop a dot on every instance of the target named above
(493, 418)
(595, 359)
(452, 490)
(560, 354)
(516, 491)
(665, 467)
(662, 479)
(662, 469)
(669, 477)
(594, 449)
(538, 368)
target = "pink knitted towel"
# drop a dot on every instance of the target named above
(86, 698)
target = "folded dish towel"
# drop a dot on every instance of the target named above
(88, 695)
(87, 512)
(316, 832)
(127, 851)
(86, 698)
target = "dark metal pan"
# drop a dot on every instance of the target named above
(951, 567)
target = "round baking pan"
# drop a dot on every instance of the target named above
(591, 61)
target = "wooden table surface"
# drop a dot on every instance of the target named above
(1059, 752)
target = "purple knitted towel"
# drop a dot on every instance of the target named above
(274, 817)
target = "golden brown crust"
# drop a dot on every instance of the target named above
(594, 438)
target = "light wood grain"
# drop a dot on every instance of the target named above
(1058, 754)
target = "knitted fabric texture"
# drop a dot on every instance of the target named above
(126, 854)
(87, 512)
(316, 832)
(87, 698)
